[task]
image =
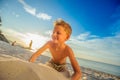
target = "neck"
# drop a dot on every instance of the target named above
(60, 46)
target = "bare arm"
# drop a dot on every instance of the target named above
(77, 72)
(38, 53)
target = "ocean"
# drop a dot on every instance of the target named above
(99, 66)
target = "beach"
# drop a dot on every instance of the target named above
(21, 55)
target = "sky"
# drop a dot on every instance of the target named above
(95, 25)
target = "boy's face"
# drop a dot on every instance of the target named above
(59, 35)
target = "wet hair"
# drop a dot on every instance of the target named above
(63, 24)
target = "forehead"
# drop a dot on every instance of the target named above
(59, 27)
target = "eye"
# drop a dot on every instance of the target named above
(58, 33)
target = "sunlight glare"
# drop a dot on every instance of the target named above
(38, 40)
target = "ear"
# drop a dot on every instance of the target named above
(67, 37)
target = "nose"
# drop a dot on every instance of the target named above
(54, 34)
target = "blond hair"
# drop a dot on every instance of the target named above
(64, 24)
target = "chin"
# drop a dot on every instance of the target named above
(55, 41)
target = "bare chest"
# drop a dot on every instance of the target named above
(58, 55)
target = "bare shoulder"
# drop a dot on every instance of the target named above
(47, 44)
(69, 50)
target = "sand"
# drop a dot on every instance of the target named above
(14, 65)
(12, 68)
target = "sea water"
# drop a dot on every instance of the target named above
(99, 66)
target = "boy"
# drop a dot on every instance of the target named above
(59, 50)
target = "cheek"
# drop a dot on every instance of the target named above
(52, 35)
(64, 38)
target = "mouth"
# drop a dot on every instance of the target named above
(55, 39)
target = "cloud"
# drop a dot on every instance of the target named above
(98, 49)
(38, 40)
(28, 8)
(85, 36)
(49, 32)
(33, 11)
(44, 16)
